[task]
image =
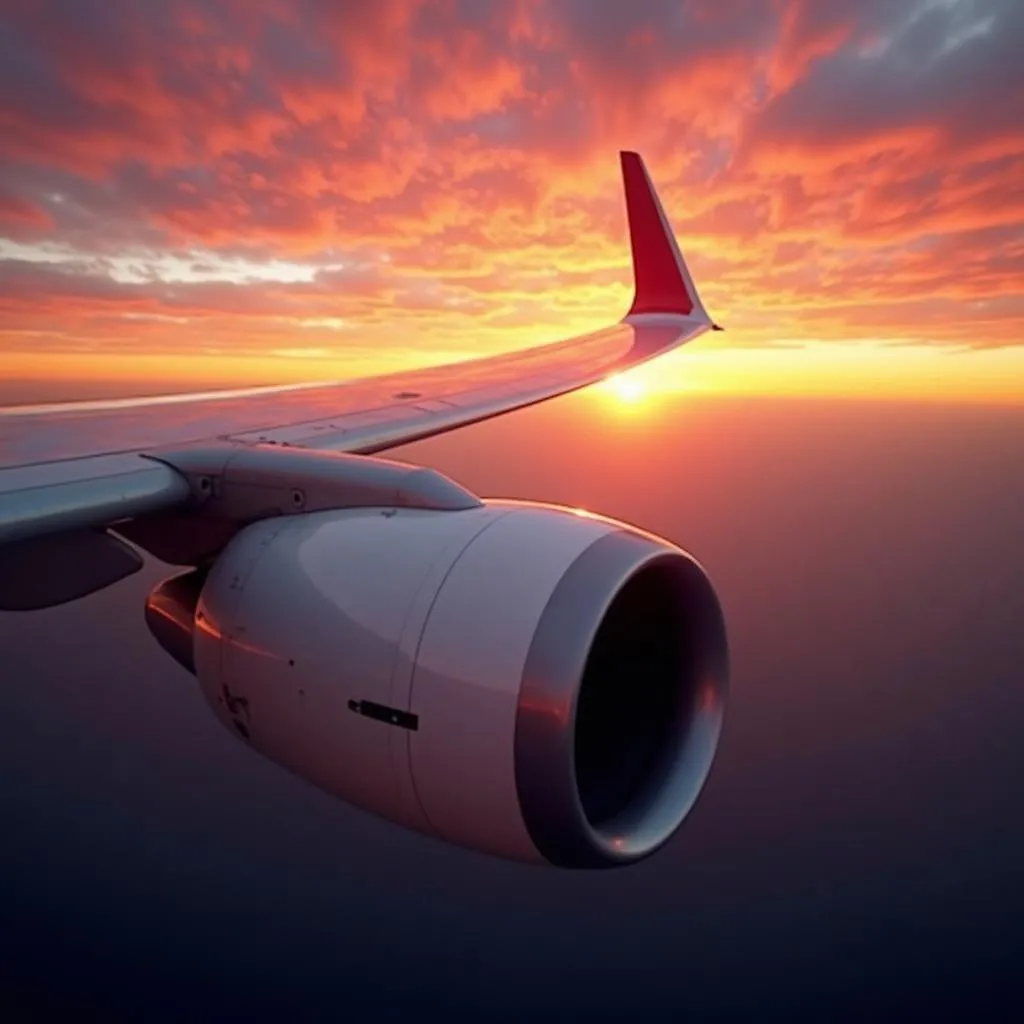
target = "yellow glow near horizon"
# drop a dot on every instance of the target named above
(625, 387)
(827, 369)
(833, 370)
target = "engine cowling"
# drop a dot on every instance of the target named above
(529, 681)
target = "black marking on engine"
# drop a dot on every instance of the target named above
(235, 705)
(408, 394)
(238, 708)
(382, 713)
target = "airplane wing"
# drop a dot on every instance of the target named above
(69, 472)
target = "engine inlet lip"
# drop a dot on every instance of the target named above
(545, 733)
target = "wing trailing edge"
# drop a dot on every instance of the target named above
(662, 280)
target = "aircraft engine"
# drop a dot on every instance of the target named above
(529, 681)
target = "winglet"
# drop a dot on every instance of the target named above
(662, 280)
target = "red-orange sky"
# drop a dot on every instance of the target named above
(227, 190)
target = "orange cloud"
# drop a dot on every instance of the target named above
(436, 177)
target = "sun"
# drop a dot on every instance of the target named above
(626, 389)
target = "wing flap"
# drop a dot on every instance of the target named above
(45, 571)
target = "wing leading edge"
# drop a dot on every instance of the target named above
(90, 465)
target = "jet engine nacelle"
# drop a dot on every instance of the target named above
(525, 680)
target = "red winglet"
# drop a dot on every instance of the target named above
(663, 283)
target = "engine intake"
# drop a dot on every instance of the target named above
(522, 679)
(631, 651)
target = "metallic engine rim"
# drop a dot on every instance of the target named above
(546, 718)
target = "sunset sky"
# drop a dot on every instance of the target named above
(219, 190)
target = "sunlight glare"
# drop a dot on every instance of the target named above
(626, 388)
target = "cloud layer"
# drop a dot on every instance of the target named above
(439, 178)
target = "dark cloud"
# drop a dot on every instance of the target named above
(949, 79)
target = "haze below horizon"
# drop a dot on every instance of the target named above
(855, 854)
